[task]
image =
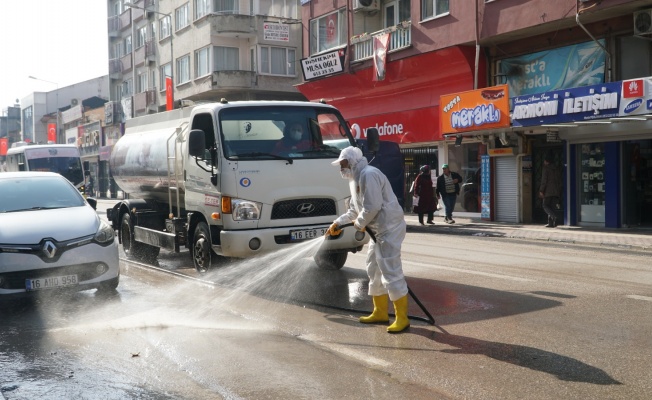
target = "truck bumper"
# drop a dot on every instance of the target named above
(242, 244)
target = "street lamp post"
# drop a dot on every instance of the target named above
(171, 94)
(57, 100)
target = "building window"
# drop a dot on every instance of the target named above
(433, 8)
(128, 45)
(327, 32)
(277, 60)
(28, 124)
(181, 17)
(183, 69)
(278, 8)
(117, 50)
(202, 7)
(152, 30)
(152, 80)
(226, 6)
(141, 37)
(166, 28)
(118, 92)
(127, 87)
(141, 82)
(201, 62)
(226, 58)
(166, 70)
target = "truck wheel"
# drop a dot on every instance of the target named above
(132, 248)
(202, 252)
(331, 260)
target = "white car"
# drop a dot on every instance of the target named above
(51, 238)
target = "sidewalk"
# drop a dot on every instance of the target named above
(638, 239)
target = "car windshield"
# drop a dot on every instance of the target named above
(69, 167)
(37, 193)
(283, 132)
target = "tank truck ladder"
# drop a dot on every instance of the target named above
(173, 171)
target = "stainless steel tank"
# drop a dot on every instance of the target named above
(139, 160)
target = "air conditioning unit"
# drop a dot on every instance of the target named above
(643, 22)
(366, 5)
(74, 102)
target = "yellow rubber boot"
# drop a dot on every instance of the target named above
(381, 305)
(402, 322)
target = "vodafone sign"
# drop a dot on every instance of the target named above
(414, 126)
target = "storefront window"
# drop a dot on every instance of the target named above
(637, 183)
(465, 160)
(592, 183)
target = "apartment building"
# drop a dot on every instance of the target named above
(210, 49)
(575, 76)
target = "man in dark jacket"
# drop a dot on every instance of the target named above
(550, 190)
(448, 187)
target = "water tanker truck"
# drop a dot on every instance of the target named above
(211, 179)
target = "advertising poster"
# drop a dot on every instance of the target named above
(485, 187)
(276, 32)
(323, 64)
(475, 110)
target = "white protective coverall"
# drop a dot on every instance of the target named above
(374, 205)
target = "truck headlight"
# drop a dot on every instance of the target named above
(245, 210)
(105, 234)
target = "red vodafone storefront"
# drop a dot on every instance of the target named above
(405, 105)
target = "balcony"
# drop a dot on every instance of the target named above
(126, 63)
(144, 100)
(113, 26)
(125, 19)
(137, 13)
(235, 79)
(234, 24)
(150, 51)
(139, 56)
(115, 68)
(400, 38)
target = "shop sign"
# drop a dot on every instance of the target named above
(475, 110)
(584, 103)
(276, 32)
(105, 153)
(565, 67)
(636, 97)
(322, 65)
(72, 114)
(410, 126)
(485, 187)
(503, 151)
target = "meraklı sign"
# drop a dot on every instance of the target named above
(569, 105)
(323, 64)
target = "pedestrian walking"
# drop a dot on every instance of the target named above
(550, 190)
(374, 205)
(424, 190)
(448, 188)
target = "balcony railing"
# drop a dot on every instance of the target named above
(125, 19)
(126, 62)
(400, 38)
(144, 99)
(115, 66)
(139, 56)
(113, 26)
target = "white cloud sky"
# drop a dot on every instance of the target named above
(62, 41)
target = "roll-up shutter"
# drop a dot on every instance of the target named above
(506, 189)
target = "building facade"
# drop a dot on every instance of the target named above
(535, 49)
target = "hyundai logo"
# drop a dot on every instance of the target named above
(49, 249)
(306, 208)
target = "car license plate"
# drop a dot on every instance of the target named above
(51, 282)
(303, 234)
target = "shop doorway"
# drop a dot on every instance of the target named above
(637, 183)
(414, 159)
(538, 155)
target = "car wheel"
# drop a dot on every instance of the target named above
(109, 286)
(202, 252)
(132, 248)
(331, 260)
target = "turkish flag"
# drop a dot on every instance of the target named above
(52, 133)
(4, 144)
(380, 47)
(169, 96)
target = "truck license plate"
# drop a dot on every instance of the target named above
(51, 282)
(303, 234)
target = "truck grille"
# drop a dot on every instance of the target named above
(303, 208)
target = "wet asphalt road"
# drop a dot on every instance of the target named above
(515, 320)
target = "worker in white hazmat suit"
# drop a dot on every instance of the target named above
(374, 205)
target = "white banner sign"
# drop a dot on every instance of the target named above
(277, 32)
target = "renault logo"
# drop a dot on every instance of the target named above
(306, 208)
(49, 249)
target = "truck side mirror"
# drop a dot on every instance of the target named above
(373, 139)
(87, 168)
(196, 143)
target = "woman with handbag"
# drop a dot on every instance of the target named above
(424, 191)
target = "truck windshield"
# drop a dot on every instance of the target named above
(286, 131)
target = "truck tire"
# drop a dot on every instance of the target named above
(132, 248)
(203, 255)
(330, 260)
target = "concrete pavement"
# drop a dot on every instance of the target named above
(639, 239)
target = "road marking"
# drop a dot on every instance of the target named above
(637, 297)
(468, 271)
(364, 357)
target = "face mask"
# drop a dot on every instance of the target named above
(295, 135)
(346, 173)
